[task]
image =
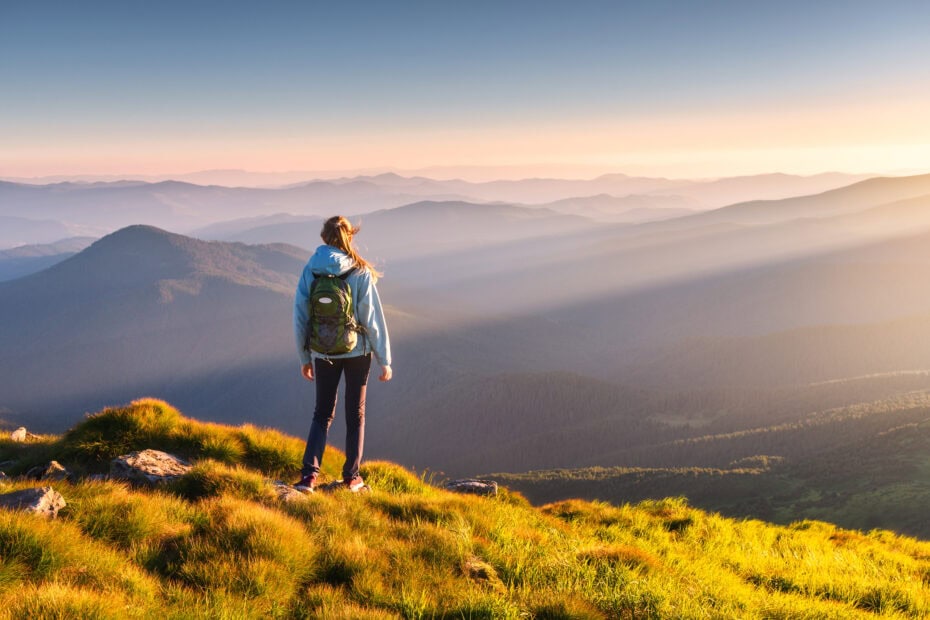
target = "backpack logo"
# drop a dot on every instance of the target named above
(333, 329)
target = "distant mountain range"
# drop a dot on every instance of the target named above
(19, 231)
(415, 230)
(144, 311)
(26, 259)
(54, 211)
(542, 339)
(632, 209)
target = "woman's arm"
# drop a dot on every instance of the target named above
(301, 321)
(371, 316)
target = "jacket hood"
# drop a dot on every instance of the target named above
(330, 260)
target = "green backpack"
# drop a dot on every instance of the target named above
(333, 329)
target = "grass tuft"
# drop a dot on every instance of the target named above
(103, 436)
(393, 479)
(58, 600)
(621, 554)
(209, 478)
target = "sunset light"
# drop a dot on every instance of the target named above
(671, 89)
(489, 309)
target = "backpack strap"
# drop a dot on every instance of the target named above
(329, 275)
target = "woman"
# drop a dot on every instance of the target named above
(339, 258)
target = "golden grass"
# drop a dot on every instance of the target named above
(219, 544)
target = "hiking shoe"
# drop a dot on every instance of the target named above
(307, 483)
(354, 484)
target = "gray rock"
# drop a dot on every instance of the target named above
(43, 501)
(148, 467)
(473, 486)
(52, 471)
(19, 435)
(336, 486)
(288, 494)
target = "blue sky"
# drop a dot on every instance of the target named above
(296, 84)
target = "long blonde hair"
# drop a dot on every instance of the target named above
(338, 232)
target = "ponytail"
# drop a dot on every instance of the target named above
(338, 232)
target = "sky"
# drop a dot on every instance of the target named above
(685, 89)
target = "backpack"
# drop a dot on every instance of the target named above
(333, 329)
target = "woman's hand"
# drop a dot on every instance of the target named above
(386, 373)
(307, 371)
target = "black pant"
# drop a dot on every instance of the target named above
(328, 373)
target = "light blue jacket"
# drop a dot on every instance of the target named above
(368, 311)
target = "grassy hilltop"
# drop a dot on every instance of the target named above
(218, 543)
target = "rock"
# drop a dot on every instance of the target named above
(19, 435)
(473, 486)
(288, 494)
(44, 501)
(51, 471)
(4, 478)
(148, 467)
(337, 486)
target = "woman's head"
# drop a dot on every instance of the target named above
(338, 232)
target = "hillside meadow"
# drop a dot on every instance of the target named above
(218, 543)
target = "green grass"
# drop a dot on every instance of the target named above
(219, 544)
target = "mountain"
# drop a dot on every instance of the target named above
(145, 310)
(856, 197)
(419, 229)
(209, 324)
(709, 194)
(713, 325)
(229, 230)
(861, 467)
(220, 541)
(183, 206)
(18, 231)
(720, 278)
(732, 190)
(555, 418)
(632, 209)
(25, 259)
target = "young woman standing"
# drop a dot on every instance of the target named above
(338, 257)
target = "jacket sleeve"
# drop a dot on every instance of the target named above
(302, 315)
(371, 316)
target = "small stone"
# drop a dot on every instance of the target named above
(288, 494)
(51, 471)
(19, 435)
(337, 486)
(43, 501)
(148, 467)
(472, 486)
